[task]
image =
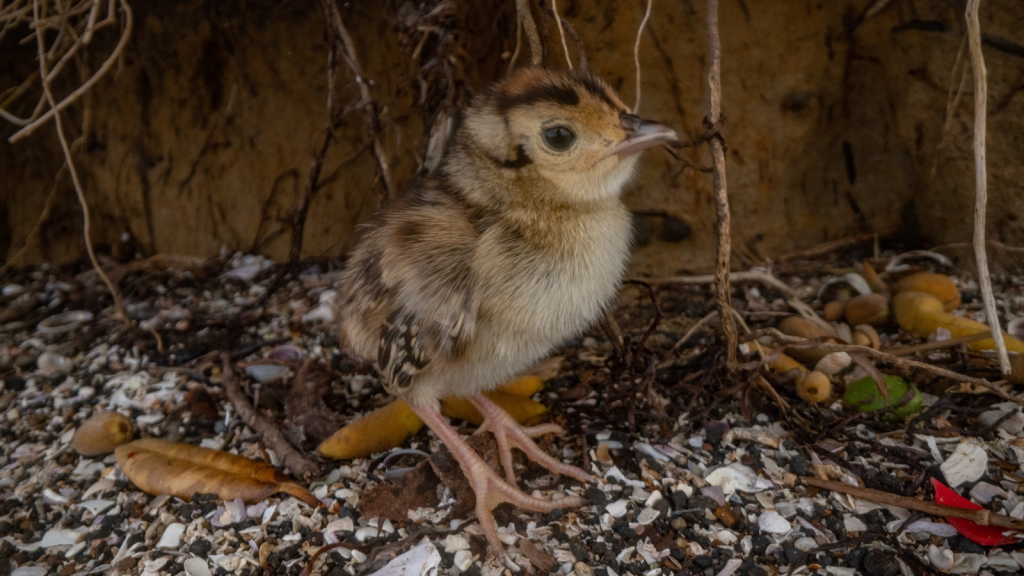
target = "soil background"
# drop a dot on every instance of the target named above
(202, 137)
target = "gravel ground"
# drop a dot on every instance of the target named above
(699, 468)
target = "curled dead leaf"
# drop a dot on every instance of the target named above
(159, 467)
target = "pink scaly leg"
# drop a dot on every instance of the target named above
(509, 434)
(490, 489)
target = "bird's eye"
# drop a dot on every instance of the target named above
(559, 138)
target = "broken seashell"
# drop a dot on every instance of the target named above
(773, 523)
(64, 322)
(941, 558)
(967, 463)
(897, 265)
(285, 353)
(51, 364)
(266, 372)
(830, 364)
(838, 287)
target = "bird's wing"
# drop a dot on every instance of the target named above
(426, 269)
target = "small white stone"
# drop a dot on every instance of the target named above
(853, 524)
(58, 537)
(727, 537)
(30, 571)
(967, 463)
(646, 516)
(735, 477)
(805, 543)
(454, 543)
(422, 558)
(618, 508)
(841, 571)
(171, 537)
(984, 492)
(463, 560)
(967, 563)
(941, 558)
(773, 523)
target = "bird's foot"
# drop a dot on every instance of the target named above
(489, 488)
(509, 434)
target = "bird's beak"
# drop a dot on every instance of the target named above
(641, 135)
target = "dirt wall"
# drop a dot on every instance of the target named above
(203, 137)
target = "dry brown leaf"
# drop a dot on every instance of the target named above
(160, 467)
(540, 559)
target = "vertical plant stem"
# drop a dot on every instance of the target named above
(981, 181)
(86, 221)
(530, 28)
(723, 300)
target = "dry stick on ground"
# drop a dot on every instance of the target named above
(347, 48)
(636, 53)
(982, 517)
(746, 276)
(530, 29)
(981, 181)
(299, 465)
(937, 345)
(722, 294)
(567, 26)
(886, 357)
(86, 222)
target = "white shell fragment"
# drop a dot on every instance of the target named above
(266, 372)
(832, 363)
(197, 567)
(773, 523)
(420, 560)
(62, 537)
(64, 322)
(967, 463)
(941, 558)
(618, 508)
(51, 364)
(463, 560)
(984, 492)
(171, 537)
(735, 477)
(1013, 424)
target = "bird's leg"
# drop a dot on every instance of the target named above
(509, 434)
(489, 488)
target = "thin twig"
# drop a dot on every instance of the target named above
(938, 344)
(981, 181)
(81, 90)
(86, 221)
(952, 101)
(636, 53)
(982, 517)
(745, 276)
(666, 360)
(723, 298)
(312, 181)
(299, 465)
(886, 357)
(561, 32)
(530, 28)
(348, 50)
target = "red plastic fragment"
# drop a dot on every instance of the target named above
(984, 535)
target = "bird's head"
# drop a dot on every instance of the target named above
(571, 130)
